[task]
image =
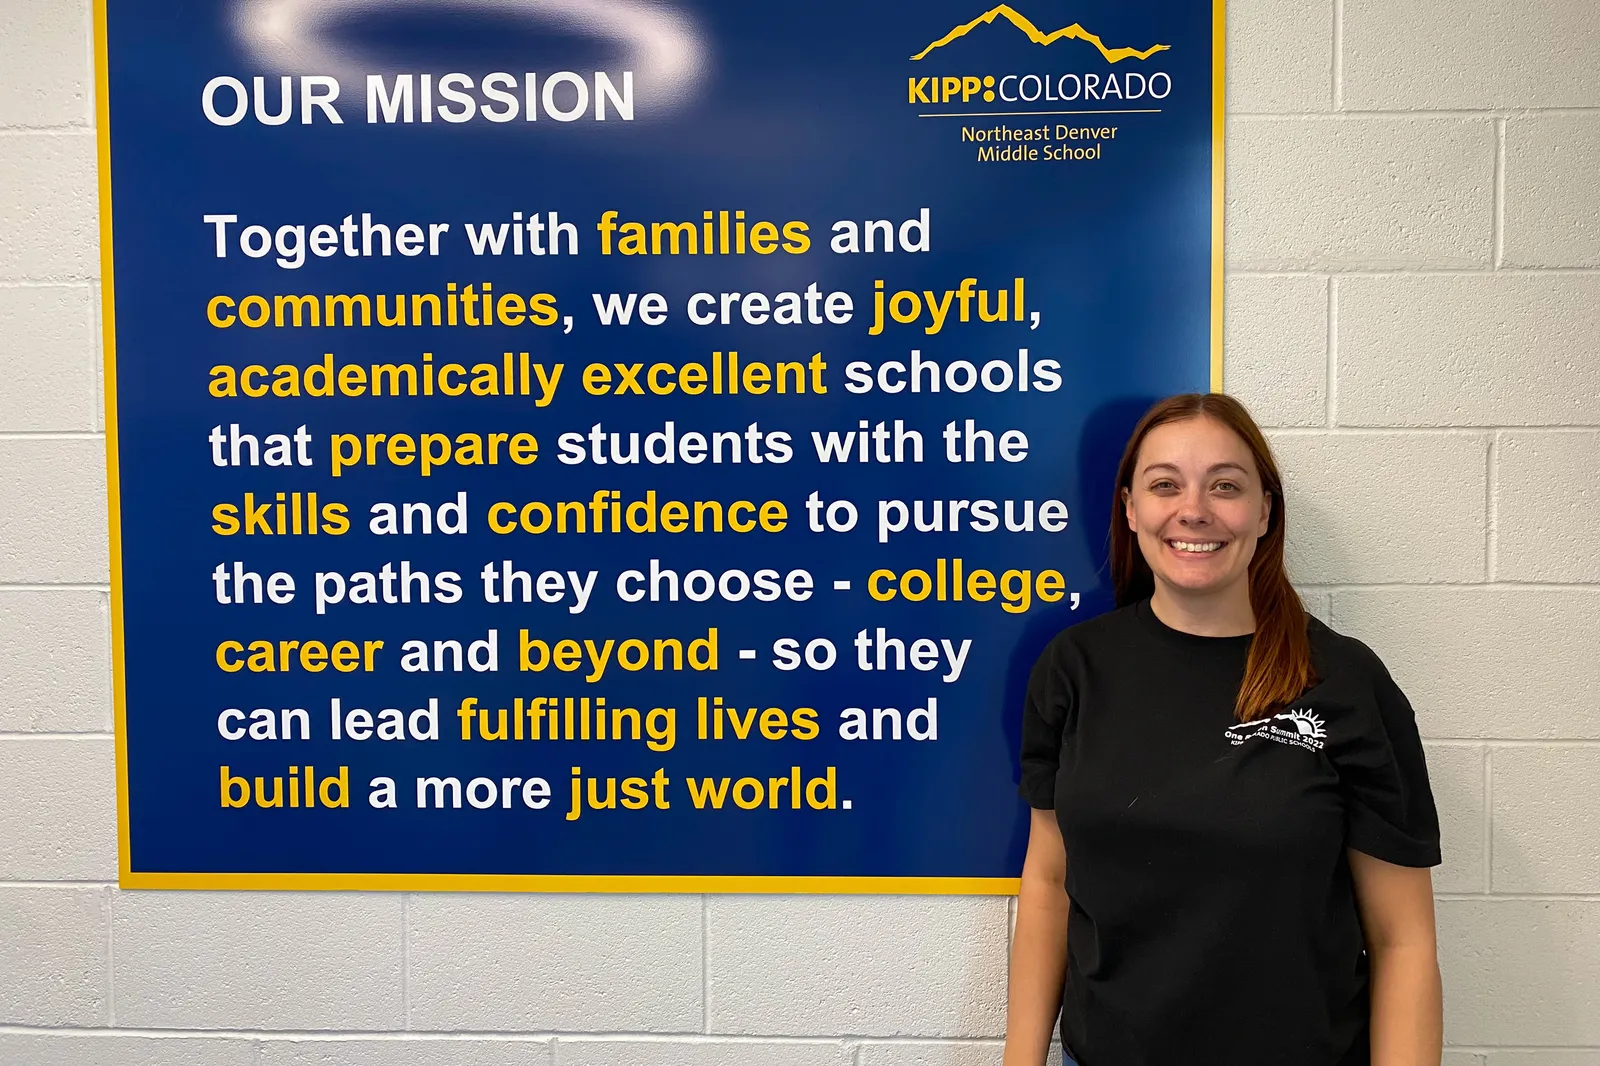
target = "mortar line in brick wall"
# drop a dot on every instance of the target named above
(698, 1039)
(405, 960)
(1353, 431)
(1336, 61)
(1497, 223)
(1488, 818)
(85, 885)
(705, 963)
(1483, 586)
(1331, 349)
(1489, 1049)
(1460, 430)
(286, 1035)
(22, 735)
(39, 281)
(111, 960)
(90, 64)
(28, 283)
(549, 1040)
(97, 323)
(1491, 547)
(44, 131)
(64, 586)
(1324, 270)
(52, 434)
(965, 1041)
(1518, 742)
(1518, 897)
(1344, 115)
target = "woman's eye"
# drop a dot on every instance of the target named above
(1227, 486)
(1162, 485)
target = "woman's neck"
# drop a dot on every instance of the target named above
(1221, 612)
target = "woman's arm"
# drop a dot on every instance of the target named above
(1396, 905)
(1038, 946)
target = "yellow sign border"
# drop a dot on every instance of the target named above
(128, 878)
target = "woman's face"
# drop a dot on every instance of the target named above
(1197, 505)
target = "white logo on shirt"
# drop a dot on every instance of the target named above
(1301, 728)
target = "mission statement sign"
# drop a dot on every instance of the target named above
(625, 446)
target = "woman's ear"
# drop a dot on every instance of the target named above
(1266, 513)
(1127, 509)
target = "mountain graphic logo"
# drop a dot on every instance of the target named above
(1306, 723)
(1304, 728)
(1074, 32)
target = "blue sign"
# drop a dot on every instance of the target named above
(624, 445)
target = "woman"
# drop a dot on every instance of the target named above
(1232, 825)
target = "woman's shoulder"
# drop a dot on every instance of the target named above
(1108, 632)
(1114, 624)
(1350, 674)
(1338, 654)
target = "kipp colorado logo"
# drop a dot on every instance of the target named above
(978, 87)
(1301, 728)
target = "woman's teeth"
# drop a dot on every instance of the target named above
(1197, 547)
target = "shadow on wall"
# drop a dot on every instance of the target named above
(1105, 432)
(1310, 535)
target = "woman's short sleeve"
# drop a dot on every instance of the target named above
(1045, 713)
(1389, 809)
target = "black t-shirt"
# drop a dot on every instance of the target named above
(1213, 918)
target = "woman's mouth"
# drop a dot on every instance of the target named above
(1195, 547)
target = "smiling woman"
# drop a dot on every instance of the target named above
(1227, 794)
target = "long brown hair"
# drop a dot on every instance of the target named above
(1279, 666)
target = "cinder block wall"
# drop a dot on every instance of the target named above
(1413, 303)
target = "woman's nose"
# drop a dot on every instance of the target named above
(1193, 509)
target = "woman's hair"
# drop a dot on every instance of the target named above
(1279, 666)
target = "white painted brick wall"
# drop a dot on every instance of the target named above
(266, 960)
(77, 1049)
(1336, 192)
(55, 659)
(68, 785)
(1414, 308)
(1552, 217)
(1410, 55)
(701, 1052)
(863, 965)
(1521, 970)
(569, 963)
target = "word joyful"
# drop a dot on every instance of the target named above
(906, 306)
